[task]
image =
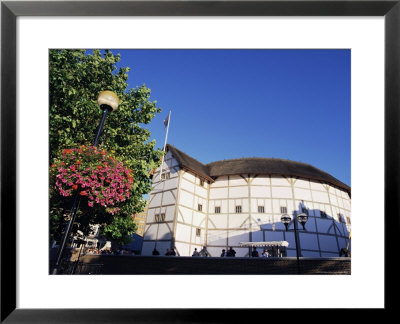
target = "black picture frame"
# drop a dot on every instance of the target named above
(10, 10)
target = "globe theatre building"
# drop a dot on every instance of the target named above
(226, 203)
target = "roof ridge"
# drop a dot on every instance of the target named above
(186, 154)
(278, 166)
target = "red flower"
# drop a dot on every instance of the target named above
(74, 187)
(78, 162)
(99, 167)
(83, 193)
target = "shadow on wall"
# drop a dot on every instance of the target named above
(323, 236)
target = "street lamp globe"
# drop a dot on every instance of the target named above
(286, 219)
(302, 218)
(108, 100)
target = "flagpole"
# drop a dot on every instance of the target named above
(165, 144)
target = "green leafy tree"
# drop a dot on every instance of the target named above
(76, 78)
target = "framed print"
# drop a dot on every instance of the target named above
(370, 30)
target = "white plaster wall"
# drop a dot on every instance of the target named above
(317, 186)
(279, 181)
(148, 247)
(163, 246)
(169, 197)
(215, 251)
(164, 232)
(274, 236)
(324, 225)
(198, 240)
(241, 252)
(261, 180)
(184, 214)
(183, 248)
(217, 221)
(150, 232)
(308, 241)
(260, 191)
(220, 182)
(201, 191)
(171, 183)
(265, 226)
(257, 236)
(282, 192)
(217, 237)
(238, 220)
(155, 200)
(218, 193)
(328, 243)
(320, 196)
(189, 176)
(169, 213)
(186, 199)
(183, 233)
(187, 185)
(199, 219)
(238, 192)
(237, 181)
(304, 194)
(302, 184)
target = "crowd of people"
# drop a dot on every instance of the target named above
(171, 252)
(96, 251)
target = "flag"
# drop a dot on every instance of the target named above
(166, 120)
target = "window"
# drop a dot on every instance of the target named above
(165, 175)
(261, 209)
(199, 207)
(198, 231)
(159, 217)
(238, 209)
(283, 210)
(217, 210)
(202, 183)
(323, 214)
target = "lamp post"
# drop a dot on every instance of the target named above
(302, 219)
(108, 102)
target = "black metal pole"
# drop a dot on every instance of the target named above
(66, 232)
(77, 197)
(101, 125)
(296, 237)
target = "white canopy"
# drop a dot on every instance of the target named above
(271, 243)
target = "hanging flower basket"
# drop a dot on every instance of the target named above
(94, 174)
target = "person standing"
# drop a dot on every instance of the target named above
(195, 253)
(231, 252)
(155, 252)
(204, 252)
(223, 254)
(254, 254)
(265, 253)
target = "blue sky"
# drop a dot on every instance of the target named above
(289, 104)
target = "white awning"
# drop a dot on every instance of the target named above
(271, 243)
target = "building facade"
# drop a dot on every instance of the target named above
(140, 220)
(228, 202)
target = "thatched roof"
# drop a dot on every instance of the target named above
(187, 162)
(267, 166)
